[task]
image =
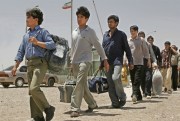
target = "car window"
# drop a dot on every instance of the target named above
(23, 69)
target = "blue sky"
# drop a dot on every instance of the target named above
(162, 16)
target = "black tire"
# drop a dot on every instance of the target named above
(5, 85)
(19, 82)
(51, 82)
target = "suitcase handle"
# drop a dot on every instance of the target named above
(96, 72)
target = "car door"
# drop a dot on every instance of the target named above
(23, 73)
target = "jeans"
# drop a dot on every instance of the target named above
(81, 90)
(136, 77)
(116, 90)
(174, 77)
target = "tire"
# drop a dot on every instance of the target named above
(5, 85)
(51, 82)
(19, 82)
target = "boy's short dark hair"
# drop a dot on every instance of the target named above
(134, 27)
(167, 43)
(114, 17)
(175, 47)
(35, 13)
(142, 33)
(83, 11)
(150, 37)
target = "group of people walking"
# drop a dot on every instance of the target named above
(141, 55)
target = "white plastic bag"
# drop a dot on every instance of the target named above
(157, 82)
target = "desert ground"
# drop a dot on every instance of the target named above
(14, 106)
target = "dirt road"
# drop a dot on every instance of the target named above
(14, 106)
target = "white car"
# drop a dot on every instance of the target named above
(6, 78)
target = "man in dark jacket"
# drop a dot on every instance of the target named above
(115, 44)
(156, 50)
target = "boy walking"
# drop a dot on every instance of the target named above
(139, 51)
(84, 38)
(33, 47)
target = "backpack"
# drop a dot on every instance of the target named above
(56, 58)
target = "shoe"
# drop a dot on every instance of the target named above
(39, 119)
(134, 99)
(90, 110)
(49, 113)
(148, 97)
(158, 96)
(165, 89)
(174, 89)
(169, 92)
(74, 114)
(122, 103)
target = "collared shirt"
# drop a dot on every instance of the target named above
(115, 46)
(30, 50)
(82, 42)
(175, 59)
(139, 50)
(166, 58)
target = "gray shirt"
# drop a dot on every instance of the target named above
(151, 52)
(139, 50)
(82, 43)
(175, 59)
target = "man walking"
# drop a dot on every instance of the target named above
(166, 68)
(84, 38)
(174, 63)
(156, 50)
(115, 44)
(33, 47)
(146, 83)
(139, 51)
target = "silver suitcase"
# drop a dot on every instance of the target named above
(66, 92)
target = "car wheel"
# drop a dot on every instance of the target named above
(51, 82)
(5, 85)
(19, 82)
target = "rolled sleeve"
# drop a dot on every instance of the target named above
(50, 45)
(21, 52)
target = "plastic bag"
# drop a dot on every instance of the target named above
(157, 82)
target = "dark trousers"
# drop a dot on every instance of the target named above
(174, 77)
(146, 83)
(143, 81)
(136, 77)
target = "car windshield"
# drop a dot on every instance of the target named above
(8, 69)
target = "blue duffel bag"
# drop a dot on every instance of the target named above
(98, 84)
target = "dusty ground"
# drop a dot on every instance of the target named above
(14, 106)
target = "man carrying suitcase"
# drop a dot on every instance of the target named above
(115, 44)
(84, 38)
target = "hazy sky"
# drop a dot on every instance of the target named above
(162, 16)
